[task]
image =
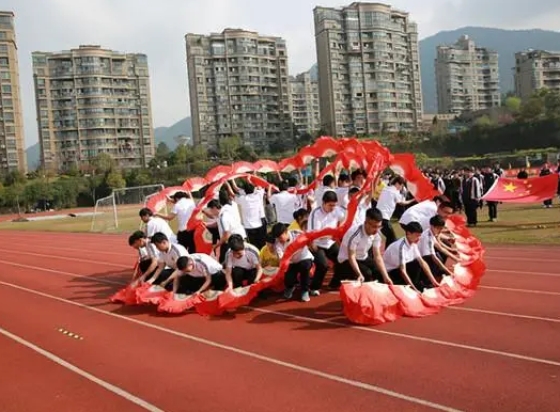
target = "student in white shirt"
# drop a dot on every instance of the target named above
(156, 225)
(300, 262)
(241, 263)
(342, 190)
(148, 254)
(328, 215)
(363, 205)
(284, 203)
(358, 177)
(183, 207)
(389, 199)
(424, 211)
(196, 274)
(360, 256)
(428, 247)
(329, 184)
(251, 203)
(229, 223)
(404, 262)
(169, 253)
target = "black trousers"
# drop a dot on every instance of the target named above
(434, 267)
(257, 236)
(145, 265)
(492, 210)
(389, 233)
(415, 273)
(344, 271)
(239, 276)
(547, 202)
(215, 234)
(163, 276)
(186, 238)
(190, 284)
(322, 266)
(301, 269)
(471, 210)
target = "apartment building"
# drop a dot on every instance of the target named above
(534, 70)
(467, 77)
(90, 101)
(369, 69)
(238, 86)
(12, 140)
(304, 102)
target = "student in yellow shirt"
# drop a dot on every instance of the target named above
(267, 255)
(300, 220)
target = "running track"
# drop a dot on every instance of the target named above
(498, 352)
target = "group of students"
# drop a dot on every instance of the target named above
(243, 246)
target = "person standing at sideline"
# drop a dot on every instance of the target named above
(489, 178)
(545, 171)
(471, 193)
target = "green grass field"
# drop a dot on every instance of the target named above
(517, 224)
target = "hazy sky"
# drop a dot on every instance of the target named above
(157, 28)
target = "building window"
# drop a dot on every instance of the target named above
(4, 61)
(3, 35)
(6, 88)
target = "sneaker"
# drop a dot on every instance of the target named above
(289, 292)
(305, 297)
(315, 293)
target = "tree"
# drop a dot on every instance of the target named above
(532, 110)
(484, 122)
(103, 163)
(162, 151)
(513, 104)
(228, 147)
(115, 180)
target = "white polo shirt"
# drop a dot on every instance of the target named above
(360, 216)
(285, 205)
(388, 200)
(183, 209)
(170, 256)
(230, 221)
(148, 252)
(342, 194)
(158, 225)
(400, 253)
(249, 260)
(319, 219)
(252, 209)
(356, 239)
(421, 213)
(301, 254)
(427, 243)
(204, 264)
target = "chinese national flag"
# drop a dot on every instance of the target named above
(533, 190)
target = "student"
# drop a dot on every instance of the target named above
(328, 215)
(363, 205)
(471, 193)
(301, 217)
(229, 223)
(427, 247)
(404, 262)
(148, 254)
(169, 253)
(241, 263)
(488, 179)
(424, 211)
(354, 260)
(391, 197)
(284, 203)
(344, 183)
(267, 255)
(300, 262)
(183, 207)
(156, 224)
(211, 212)
(196, 274)
(251, 203)
(329, 185)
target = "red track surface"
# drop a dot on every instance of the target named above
(498, 352)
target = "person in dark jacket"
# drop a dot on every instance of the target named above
(523, 173)
(489, 178)
(545, 171)
(471, 192)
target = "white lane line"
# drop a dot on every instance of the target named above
(524, 272)
(253, 355)
(57, 247)
(418, 338)
(97, 262)
(110, 387)
(506, 314)
(535, 292)
(492, 257)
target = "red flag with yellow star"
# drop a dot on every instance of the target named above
(532, 190)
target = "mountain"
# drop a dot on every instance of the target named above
(505, 42)
(167, 135)
(33, 154)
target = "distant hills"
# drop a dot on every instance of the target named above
(505, 42)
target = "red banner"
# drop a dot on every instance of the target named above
(533, 190)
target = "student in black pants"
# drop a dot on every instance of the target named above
(471, 192)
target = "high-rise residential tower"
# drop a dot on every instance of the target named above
(536, 69)
(12, 140)
(467, 77)
(238, 85)
(90, 101)
(369, 69)
(305, 103)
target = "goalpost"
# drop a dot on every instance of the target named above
(120, 209)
